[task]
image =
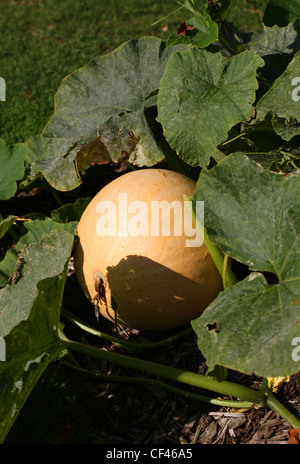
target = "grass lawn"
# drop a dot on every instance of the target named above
(42, 41)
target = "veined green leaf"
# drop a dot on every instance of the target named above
(250, 327)
(277, 41)
(29, 318)
(101, 110)
(34, 156)
(32, 232)
(70, 212)
(202, 95)
(254, 216)
(282, 100)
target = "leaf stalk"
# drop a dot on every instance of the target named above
(159, 370)
(214, 251)
(283, 412)
(131, 346)
(109, 378)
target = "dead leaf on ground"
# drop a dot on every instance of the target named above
(294, 437)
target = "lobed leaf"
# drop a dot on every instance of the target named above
(282, 101)
(202, 96)
(277, 41)
(32, 231)
(34, 159)
(250, 327)
(70, 212)
(254, 216)
(29, 318)
(101, 110)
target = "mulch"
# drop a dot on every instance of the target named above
(143, 414)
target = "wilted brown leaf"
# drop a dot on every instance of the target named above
(183, 28)
(294, 437)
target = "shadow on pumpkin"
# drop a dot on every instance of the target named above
(152, 297)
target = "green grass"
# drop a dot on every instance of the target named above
(42, 41)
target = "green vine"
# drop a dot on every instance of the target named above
(130, 346)
(228, 278)
(167, 372)
(247, 396)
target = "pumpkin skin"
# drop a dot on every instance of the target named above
(158, 283)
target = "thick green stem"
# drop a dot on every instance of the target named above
(225, 270)
(171, 373)
(157, 383)
(214, 251)
(274, 404)
(131, 346)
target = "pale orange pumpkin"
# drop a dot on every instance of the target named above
(158, 283)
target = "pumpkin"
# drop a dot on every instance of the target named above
(149, 279)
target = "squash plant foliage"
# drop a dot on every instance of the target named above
(209, 100)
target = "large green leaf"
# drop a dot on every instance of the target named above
(29, 319)
(202, 96)
(101, 110)
(254, 216)
(277, 41)
(32, 231)
(251, 327)
(12, 167)
(282, 101)
(34, 159)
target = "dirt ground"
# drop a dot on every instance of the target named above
(165, 419)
